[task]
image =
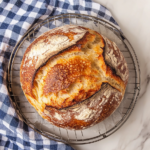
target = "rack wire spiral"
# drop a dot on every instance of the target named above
(28, 114)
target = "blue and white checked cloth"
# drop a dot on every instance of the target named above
(16, 16)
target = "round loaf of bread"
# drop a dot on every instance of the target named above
(73, 76)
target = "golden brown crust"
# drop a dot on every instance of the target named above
(72, 65)
(28, 64)
(62, 75)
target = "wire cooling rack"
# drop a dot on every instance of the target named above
(99, 131)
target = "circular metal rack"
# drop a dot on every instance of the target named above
(98, 132)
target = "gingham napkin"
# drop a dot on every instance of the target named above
(16, 17)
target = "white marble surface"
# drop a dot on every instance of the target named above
(133, 16)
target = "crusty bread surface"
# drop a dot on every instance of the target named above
(73, 76)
